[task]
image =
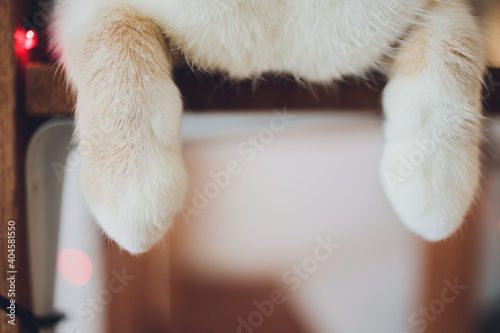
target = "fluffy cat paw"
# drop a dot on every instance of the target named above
(134, 192)
(431, 182)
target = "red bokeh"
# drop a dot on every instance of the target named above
(25, 41)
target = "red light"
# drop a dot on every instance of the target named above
(31, 40)
(25, 40)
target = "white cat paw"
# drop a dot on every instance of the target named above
(134, 193)
(431, 182)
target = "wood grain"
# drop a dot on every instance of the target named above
(12, 145)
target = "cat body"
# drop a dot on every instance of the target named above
(119, 54)
(247, 38)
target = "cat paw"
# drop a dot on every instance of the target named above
(431, 182)
(134, 193)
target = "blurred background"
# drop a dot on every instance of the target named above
(285, 228)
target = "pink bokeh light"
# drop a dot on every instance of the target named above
(75, 266)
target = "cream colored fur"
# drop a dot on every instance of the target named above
(115, 55)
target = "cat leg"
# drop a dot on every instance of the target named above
(128, 117)
(431, 164)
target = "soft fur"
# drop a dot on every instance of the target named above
(118, 56)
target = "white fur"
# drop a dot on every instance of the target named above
(317, 40)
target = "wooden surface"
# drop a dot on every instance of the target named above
(47, 93)
(214, 306)
(160, 298)
(143, 305)
(12, 147)
(450, 261)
